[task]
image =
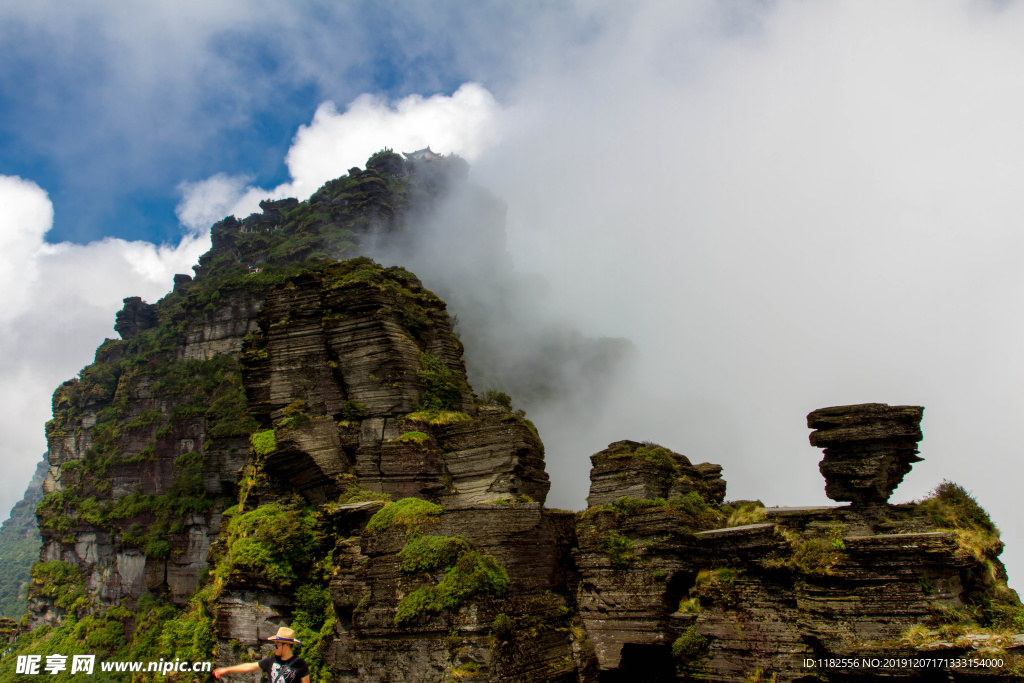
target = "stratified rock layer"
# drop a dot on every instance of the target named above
(631, 468)
(869, 448)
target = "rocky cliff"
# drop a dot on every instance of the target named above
(289, 437)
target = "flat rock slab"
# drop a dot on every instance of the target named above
(782, 512)
(733, 530)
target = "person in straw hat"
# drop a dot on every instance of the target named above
(283, 667)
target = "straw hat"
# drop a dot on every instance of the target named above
(285, 635)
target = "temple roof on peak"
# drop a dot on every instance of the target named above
(421, 154)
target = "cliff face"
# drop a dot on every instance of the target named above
(290, 439)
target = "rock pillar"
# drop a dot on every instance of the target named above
(869, 448)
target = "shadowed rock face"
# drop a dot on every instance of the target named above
(631, 468)
(135, 317)
(869, 448)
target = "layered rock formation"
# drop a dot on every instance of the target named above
(869, 448)
(289, 438)
(683, 589)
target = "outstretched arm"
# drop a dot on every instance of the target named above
(236, 669)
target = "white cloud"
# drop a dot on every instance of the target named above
(59, 305)
(464, 123)
(26, 216)
(814, 206)
(207, 201)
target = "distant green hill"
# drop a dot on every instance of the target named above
(19, 547)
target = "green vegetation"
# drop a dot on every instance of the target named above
(467, 670)
(263, 443)
(760, 676)
(467, 572)
(618, 548)
(819, 555)
(294, 415)
(426, 553)
(418, 309)
(61, 582)
(689, 606)
(509, 499)
(690, 647)
(353, 411)
(167, 631)
(313, 621)
(228, 415)
(207, 392)
(496, 398)
(951, 507)
(437, 417)
(743, 512)
(418, 438)
(690, 504)
(272, 541)
(656, 455)
(63, 511)
(19, 548)
(990, 603)
(443, 387)
(503, 627)
(354, 493)
(158, 629)
(715, 587)
(693, 505)
(18, 551)
(628, 505)
(815, 555)
(410, 512)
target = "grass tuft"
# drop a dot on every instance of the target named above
(437, 417)
(410, 512)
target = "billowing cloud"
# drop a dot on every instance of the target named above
(25, 218)
(464, 123)
(59, 305)
(814, 205)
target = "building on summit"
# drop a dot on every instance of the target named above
(424, 154)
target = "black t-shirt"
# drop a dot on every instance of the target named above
(287, 671)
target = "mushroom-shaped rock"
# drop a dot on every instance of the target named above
(869, 448)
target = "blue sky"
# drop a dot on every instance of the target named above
(110, 143)
(783, 205)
